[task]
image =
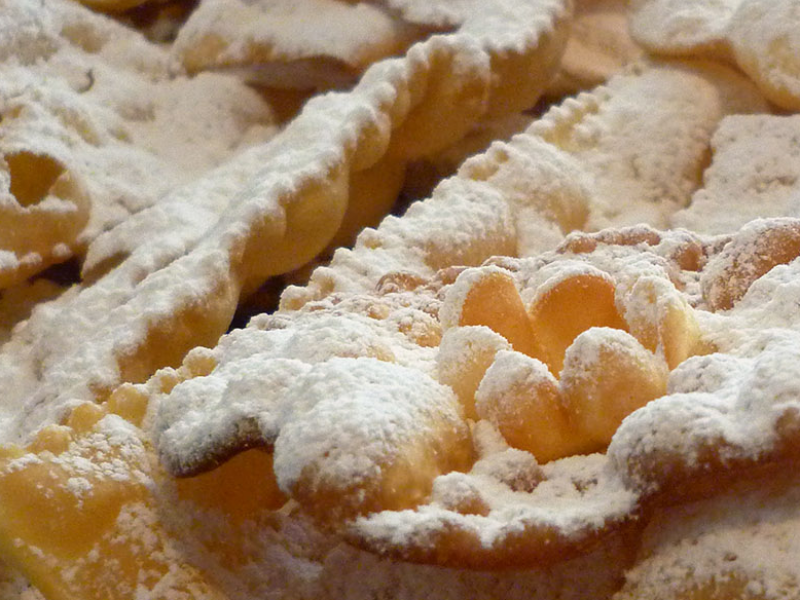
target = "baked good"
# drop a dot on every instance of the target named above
(568, 373)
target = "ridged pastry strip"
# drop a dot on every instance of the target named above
(594, 161)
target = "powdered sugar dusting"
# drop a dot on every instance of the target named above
(103, 102)
(508, 370)
(361, 413)
(296, 29)
(14, 585)
(737, 413)
(463, 222)
(682, 26)
(745, 539)
(347, 380)
(731, 401)
(765, 43)
(759, 35)
(234, 226)
(459, 344)
(253, 391)
(547, 190)
(626, 156)
(576, 496)
(754, 174)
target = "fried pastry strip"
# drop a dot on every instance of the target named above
(595, 161)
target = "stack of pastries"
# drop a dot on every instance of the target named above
(397, 299)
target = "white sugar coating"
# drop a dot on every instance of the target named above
(14, 586)
(727, 269)
(509, 370)
(43, 369)
(459, 344)
(184, 217)
(361, 415)
(643, 300)
(17, 302)
(509, 24)
(739, 409)
(8, 260)
(765, 42)
(708, 374)
(682, 26)
(196, 123)
(113, 451)
(576, 496)
(478, 140)
(291, 30)
(627, 267)
(748, 535)
(594, 575)
(456, 295)
(644, 144)
(584, 355)
(159, 275)
(620, 265)
(488, 440)
(316, 337)
(462, 223)
(245, 373)
(677, 424)
(292, 555)
(755, 173)
(630, 180)
(78, 486)
(452, 489)
(547, 189)
(35, 30)
(247, 398)
(451, 13)
(329, 338)
(507, 465)
(20, 23)
(771, 302)
(120, 121)
(237, 403)
(436, 14)
(22, 462)
(759, 35)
